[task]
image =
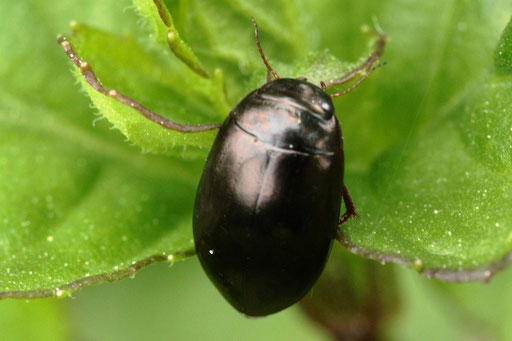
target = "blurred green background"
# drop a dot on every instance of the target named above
(356, 298)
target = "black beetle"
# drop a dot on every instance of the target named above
(268, 203)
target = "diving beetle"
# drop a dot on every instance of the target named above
(268, 203)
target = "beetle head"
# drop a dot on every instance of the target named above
(301, 94)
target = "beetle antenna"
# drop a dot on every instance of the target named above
(359, 81)
(261, 52)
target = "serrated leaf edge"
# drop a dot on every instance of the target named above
(482, 274)
(67, 289)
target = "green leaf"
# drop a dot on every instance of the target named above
(437, 50)
(125, 66)
(79, 205)
(434, 207)
(440, 203)
(162, 22)
(503, 53)
(418, 158)
(486, 124)
(98, 220)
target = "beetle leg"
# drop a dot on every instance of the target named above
(367, 65)
(359, 81)
(350, 208)
(323, 86)
(90, 78)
